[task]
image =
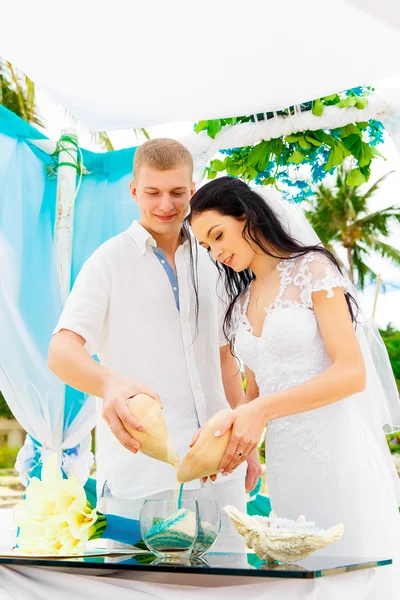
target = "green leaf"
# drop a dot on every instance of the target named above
(201, 125)
(304, 144)
(318, 108)
(335, 158)
(376, 152)
(362, 125)
(250, 173)
(212, 174)
(330, 98)
(278, 150)
(349, 129)
(290, 139)
(361, 103)
(296, 158)
(366, 171)
(232, 168)
(353, 144)
(268, 181)
(259, 155)
(217, 165)
(365, 155)
(345, 150)
(325, 138)
(355, 178)
(313, 141)
(214, 127)
(347, 102)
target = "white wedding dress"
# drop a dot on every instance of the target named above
(325, 463)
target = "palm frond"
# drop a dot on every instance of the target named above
(340, 214)
(374, 187)
(145, 132)
(386, 251)
(101, 138)
(391, 212)
(362, 269)
(18, 93)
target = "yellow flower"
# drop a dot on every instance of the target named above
(55, 517)
(69, 491)
(30, 535)
(56, 526)
(80, 520)
(70, 545)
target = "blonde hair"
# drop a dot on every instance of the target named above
(162, 154)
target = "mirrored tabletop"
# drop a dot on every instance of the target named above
(213, 563)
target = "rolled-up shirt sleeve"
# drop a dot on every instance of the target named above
(86, 308)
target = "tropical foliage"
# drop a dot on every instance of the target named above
(17, 93)
(277, 161)
(341, 215)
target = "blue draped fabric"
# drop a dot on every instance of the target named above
(29, 292)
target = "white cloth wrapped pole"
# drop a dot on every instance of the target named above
(64, 226)
(380, 106)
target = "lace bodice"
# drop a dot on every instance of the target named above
(290, 349)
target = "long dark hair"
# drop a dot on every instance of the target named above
(232, 197)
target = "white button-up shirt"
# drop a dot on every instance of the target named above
(142, 324)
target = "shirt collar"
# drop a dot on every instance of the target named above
(143, 238)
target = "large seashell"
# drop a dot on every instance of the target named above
(155, 441)
(204, 458)
(283, 540)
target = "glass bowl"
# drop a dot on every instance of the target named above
(168, 532)
(208, 526)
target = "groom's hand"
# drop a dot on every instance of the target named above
(117, 390)
(254, 470)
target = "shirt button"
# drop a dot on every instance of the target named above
(175, 289)
(163, 262)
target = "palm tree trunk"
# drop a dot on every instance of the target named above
(351, 263)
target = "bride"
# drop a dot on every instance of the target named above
(314, 373)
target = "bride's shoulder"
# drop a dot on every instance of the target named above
(321, 272)
(316, 262)
(315, 256)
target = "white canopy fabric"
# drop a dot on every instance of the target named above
(125, 64)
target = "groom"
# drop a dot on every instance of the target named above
(133, 304)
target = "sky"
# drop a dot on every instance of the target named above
(388, 303)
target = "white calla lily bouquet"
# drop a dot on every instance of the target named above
(55, 516)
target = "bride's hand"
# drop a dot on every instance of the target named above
(247, 423)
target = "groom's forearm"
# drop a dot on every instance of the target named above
(231, 377)
(69, 360)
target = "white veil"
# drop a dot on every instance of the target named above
(378, 406)
(380, 379)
